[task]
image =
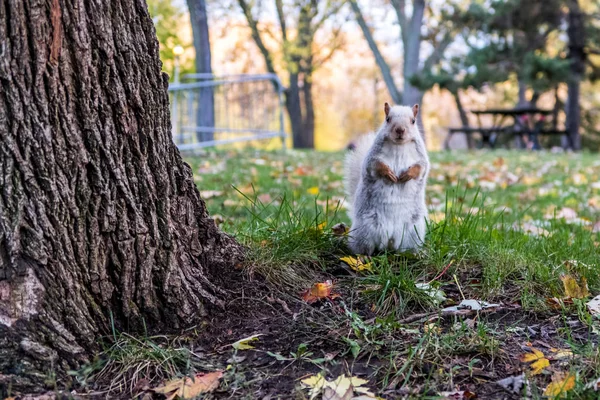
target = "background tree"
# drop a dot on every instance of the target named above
(438, 34)
(100, 220)
(206, 103)
(299, 22)
(168, 19)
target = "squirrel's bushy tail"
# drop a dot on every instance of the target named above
(354, 163)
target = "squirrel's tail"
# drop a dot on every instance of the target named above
(353, 165)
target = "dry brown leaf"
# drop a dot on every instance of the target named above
(189, 388)
(340, 229)
(319, 291)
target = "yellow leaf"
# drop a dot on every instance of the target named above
(242, 344)
(313, 190)
(321, 226)
(560, 385)
(356, 264)
(534, 356)
(189, 388)
(573, 289)
(538, 366)
(559, 354)
(539, 361)
(316, 383)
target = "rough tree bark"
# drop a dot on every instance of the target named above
(99, 215)
(206, 103)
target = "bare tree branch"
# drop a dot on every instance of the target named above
(281, 16)
(332, 10)
(256, 35)
(399, 7)
(383, 66)
(335, 43)
(438, 52)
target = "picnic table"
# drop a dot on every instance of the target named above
(525, 122)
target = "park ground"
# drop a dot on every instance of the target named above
(515, 230)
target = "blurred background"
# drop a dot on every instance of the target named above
(320, 71)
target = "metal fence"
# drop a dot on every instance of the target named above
(208, 110)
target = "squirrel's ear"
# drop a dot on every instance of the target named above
(386, 108)
(415, 109)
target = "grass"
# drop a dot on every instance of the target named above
(284, 204)
(504, 227)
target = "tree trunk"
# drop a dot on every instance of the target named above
(99, 215)
(205, 114)
(293, 107)
(464, 119)
(577, 37)
(522, 94)
(308, 124)
(386, 72)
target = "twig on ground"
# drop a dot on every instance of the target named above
(443, 271)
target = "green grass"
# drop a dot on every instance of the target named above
(268, 200)
(483, 207)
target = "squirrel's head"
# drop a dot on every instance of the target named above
(401, 123)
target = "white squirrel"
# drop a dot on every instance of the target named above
(385, 177)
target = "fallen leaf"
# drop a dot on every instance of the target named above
(316, 383)
(189, 388)
(265, 198)
(579, 179)
(593, 306)
(537, 359)
(319, 291)
(342, 388)
(559, 354)
(560, 385)
(340, 229)
(515, 383)
(209, 194)
(531, 229)
(573, 289)
(432, 328)
(357, 264)
(458, 395)
(595, 384)
(242, 344)
(437, 295)
(313, 190)
(466, 306)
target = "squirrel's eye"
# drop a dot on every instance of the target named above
(412, 121)
(387, 120)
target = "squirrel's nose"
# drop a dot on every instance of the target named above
(399, 131)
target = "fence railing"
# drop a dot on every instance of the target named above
(208, 110)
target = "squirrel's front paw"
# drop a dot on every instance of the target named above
(411, 173)
(384, 171)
